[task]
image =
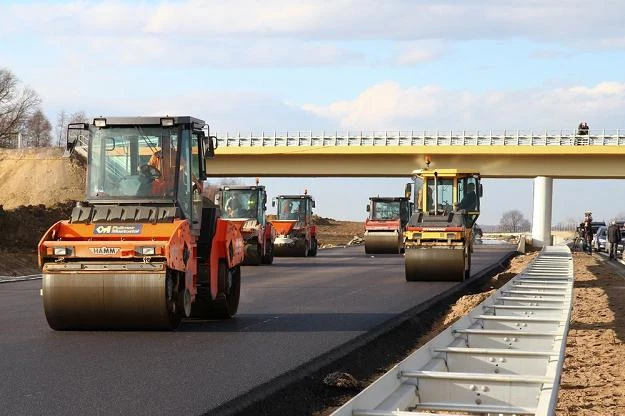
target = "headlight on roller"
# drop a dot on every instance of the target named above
(146, 251)
(61, 251)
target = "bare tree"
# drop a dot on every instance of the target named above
(61, 128)
(63, 119)
(37, 130)
(78, 117)
(513, 222)
(16, 105)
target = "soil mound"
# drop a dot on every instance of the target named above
(39, 176)
(23, 227)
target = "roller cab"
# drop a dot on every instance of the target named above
(245, 207)
(438, 238)
(145, 249)
(384, 227)
(296, 235)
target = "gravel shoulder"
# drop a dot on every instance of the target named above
(593, 378)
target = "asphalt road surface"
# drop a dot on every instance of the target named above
(290, 313)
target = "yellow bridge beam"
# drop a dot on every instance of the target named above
(400, 161)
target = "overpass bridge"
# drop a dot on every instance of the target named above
(505, 154)
(542, 155)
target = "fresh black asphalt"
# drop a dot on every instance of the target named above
(290, 313)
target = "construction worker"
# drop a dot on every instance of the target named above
(251, 207)
(430, 201)
(156, 159)
(233, 207)
(588, 231)
(469, 201)
(582, 129)
(614, 238)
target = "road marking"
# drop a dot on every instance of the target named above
(8, 279)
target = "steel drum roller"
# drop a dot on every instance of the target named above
(290, 251)
(106, 300)
(382, 242)
(435, 264)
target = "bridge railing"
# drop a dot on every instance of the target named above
(615, 137)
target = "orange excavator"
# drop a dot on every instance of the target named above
(245, 207)
(385, 225)
(146, 249)
(296, 235)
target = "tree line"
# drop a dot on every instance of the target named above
(23, 123)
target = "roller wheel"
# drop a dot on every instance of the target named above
(174, 303)
(253, 254)
(112, 300)
(227, 302)
(467, 271)
(268, 257)
(382, 243)
(434, 265)
(313, 247)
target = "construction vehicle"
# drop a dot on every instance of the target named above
(438, 239)
(385, 225)
(245, 207)
(296, 235)
(146, 249)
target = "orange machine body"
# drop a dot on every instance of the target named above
(288, 227)
(382, 225)
(172, 243)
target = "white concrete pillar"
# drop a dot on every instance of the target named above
(541, 223)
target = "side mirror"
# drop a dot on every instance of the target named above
(480, 191)
(313, 203)
(217, 198)
(273, 203)
(110, 144)
(72, 138)
(368, 208)
(408, 190)
(209, 147)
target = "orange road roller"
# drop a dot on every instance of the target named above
(385, 225)
(296, 235)
(145, 249)
(245, 207)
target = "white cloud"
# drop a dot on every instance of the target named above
(416, 55)
(389, 106)
(563, 20)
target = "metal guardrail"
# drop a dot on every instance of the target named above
(504, 357)
(423, 138)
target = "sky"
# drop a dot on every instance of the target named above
(282, 65)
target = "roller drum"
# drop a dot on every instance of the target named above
(294, 248)
(435, 264)
(382, 242)
(253, 254)
(100, 300)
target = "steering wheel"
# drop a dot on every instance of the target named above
(150, 171)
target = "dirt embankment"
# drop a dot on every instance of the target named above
(38, 187)
(39, 177)
(335, 233)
